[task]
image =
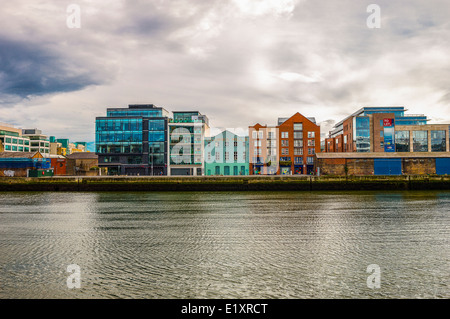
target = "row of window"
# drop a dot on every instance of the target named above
(155, 159)
(17, 141)
(103, 125)
(16, 148)
(226, 170)
(130, 113)
(227, 156)
(420, 141)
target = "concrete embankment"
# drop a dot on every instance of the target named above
(229, 183)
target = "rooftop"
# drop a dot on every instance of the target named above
(17, 154)
(83, 155)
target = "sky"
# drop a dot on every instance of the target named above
(240, 62)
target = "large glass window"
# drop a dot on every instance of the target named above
(156, 136)
(438, 141)
(402, 143)
(361, 134)
(156, 125)
(420, 141)
(298, 126)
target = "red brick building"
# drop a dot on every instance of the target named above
(285, 149)
(299, 141)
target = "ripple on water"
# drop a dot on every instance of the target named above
(225, 245)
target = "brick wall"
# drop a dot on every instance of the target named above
(419, 166)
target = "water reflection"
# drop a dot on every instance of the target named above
(224, 245)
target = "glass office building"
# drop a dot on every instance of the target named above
(187, 131)
(133, 140)
(11, 140)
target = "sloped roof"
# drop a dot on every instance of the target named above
(83, 155)
(17, 154)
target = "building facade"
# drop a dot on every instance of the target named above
(226, 154)
(12, 140)
(38, 141)
(133, 140)
(263, 146)
(285, 149)
(372, 129)
(187, 132)
(299, 141)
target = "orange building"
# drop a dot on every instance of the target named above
(299, 141)
(286, 149)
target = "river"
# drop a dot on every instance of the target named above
(225, 244)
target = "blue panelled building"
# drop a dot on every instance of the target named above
(133, 140)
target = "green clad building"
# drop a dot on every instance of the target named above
(226, 154)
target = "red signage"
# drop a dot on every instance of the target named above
(388, 122)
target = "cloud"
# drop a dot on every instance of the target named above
(28, 69)
(238, 61)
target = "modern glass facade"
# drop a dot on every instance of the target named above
(187, 131)
(411, 120)
(133, 141)
(361, 133)
(13, 142)
(402, 141)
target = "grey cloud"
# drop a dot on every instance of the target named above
(28, 68)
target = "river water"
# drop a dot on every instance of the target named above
(225, 244)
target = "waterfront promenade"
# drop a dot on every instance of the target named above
(224, 183)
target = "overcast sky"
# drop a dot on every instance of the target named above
(237, 61)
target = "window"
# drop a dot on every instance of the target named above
(244, 157)
(235, 144)
(255, 134)
(381, 123)
(285, 143)
(402, 142)
(311, 134)
(217, 144)
(217, 156)
(270, 135)
(209, 156)
(438, 141)
(285, 151)
(260, 134)
(227, 144)
(235, 156)
(298, 126)
(311, 143)
(310, 160)
(284, 134)
(257, 143)
(311, 151)
(381, 133)
(298, 135)
(420, 141)
(298, 143)
(227, 156)
(298, 160)
(298, 151)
